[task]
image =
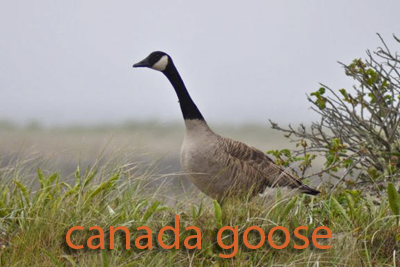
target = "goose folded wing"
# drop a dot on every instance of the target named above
(256, 166)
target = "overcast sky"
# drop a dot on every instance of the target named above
(64, 62)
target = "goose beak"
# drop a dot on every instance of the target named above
(142, 64)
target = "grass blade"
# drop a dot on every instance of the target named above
(394, 201)
(218, 213)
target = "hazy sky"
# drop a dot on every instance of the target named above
(71, 61)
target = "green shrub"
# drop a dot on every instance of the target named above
(359, 128)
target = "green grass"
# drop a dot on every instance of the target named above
(37, 210)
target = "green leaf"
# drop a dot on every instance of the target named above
(218, 213)
(394, 200)
(194, 213)
(89, 178)
(53, 179)
(104, 256)
(77, 176)
(24, 191)
(41, 178)
(150, 211)
(105, 186)
(340, 209)
(350, 203)
(288, 208)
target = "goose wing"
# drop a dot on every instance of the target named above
(257, 168)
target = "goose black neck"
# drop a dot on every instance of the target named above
(188, 107)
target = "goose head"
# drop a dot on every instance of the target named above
(157, 61)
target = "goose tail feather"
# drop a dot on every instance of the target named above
(308, 190)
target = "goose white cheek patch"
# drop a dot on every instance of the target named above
(161, 64)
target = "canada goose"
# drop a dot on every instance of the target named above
(218, 166)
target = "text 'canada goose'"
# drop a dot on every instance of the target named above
(220, 167)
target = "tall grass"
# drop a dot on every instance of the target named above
(37, 210)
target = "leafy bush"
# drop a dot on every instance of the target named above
(359, 128)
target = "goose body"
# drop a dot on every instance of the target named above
(220, 167)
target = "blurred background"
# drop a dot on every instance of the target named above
(68, 92)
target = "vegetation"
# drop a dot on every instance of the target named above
(358, 133)
(35, 216)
